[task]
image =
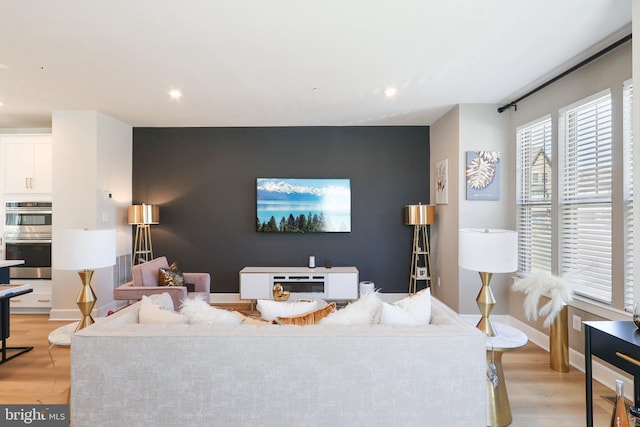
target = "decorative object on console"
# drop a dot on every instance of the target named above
(420, 216)
(619, 418)
(84, 250)
(366, 287)
(283, 205)
(487, 251)
(142, 216)
(560, 291)
(279, 294)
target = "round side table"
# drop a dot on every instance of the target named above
(507, 338)
(62, 335)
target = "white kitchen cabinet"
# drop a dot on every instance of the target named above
(27, 163)
(38, 301)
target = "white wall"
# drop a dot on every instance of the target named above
(443, 142)
(92, 158)
(468, 127)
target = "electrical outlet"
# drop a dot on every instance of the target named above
(577, 323)
(438, 281)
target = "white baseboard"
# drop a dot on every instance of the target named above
(64, 315)
(73, 314)
(222, 298)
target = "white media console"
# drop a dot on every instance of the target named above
(337, 283)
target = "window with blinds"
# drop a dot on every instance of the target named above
(627, 143)
(533, 196)
(585, 190)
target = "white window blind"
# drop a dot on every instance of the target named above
(533, 196)
(627, 138)
(585, 187)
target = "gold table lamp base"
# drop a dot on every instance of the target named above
(86, 299)
(486, 301)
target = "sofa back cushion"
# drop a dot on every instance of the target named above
(146, 274)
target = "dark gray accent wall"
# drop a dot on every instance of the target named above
(204, 181)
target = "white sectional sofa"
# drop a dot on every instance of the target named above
(128, 374)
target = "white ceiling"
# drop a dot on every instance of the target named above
(286, 62)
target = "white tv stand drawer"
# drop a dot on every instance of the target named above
(337, 283)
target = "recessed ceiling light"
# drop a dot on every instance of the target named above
(175, 94)
(1, 104)
(390, 92)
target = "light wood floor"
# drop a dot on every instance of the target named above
(538, 395)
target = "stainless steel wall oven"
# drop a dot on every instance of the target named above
(27, 236)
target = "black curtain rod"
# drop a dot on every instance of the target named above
(569, 71)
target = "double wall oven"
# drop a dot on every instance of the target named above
(27, 236)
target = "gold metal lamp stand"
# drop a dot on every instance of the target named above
(143, 216)
(84, 250)
(420, 216)
(86, 299)
(485, 301)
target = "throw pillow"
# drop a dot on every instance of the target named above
(412, 310)
(197, 310)
(269, 309)
(364, 311)
(171, 276)
(150, 312)
(164, 300)
(311, 318)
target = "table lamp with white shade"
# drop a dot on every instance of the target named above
(84, 250)
(487, 251)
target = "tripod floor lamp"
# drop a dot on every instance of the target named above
(143, 216)
(420, 216)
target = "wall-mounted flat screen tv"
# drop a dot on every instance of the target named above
(295, 205)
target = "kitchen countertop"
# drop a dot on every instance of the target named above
(11, 262)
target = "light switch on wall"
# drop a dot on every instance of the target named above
(577, 323)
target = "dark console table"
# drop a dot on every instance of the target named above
(617, 343)
(5, 327)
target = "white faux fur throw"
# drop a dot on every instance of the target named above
(560, 290)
